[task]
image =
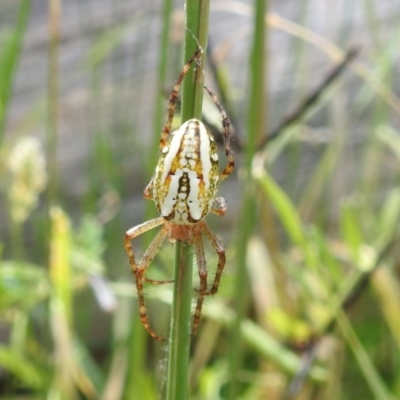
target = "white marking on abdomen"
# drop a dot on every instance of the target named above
(205, 155)
(193, 198)
(174, 147)
(170, 199)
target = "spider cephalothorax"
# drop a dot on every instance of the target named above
(184, 188)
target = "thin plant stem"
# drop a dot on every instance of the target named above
(373, 380)
(52, 98)
(160, 100)
(256, 124)
(137, 366)
(197, 15)
(9, 57)
(178, 366)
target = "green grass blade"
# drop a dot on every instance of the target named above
(52, 99)
(27, 372)
(60, 267)
(178, 365)
(197, 15)
(9, 60)
(256, 126)
(159, 112)
(284, 207)
(139, 379)
(373, 380)
(350, 227)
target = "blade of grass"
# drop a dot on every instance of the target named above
(60, 303)
(251, 334)
(332, 50)
(69, 373)
(387, 289)
(159, 111)
(197, 16)
(287, 213)
(261, 342)
(351, 227)
(374, 381)
(317, 182)
(52, 98)
(178, 365)
(22, 368)
(335, 53)
(137, 378)
(256, 123)
(60, 267)
(9, 59)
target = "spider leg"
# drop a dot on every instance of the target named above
(139, 275)
(227, 133)
(157, 282)
(220, 210)
(201, 265)
(135, 232)
(174, 96)
(150, 253)
(217, 246)
(138, 270)
(148, 190)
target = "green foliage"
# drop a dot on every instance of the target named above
(311, 269)
(33, 295)
(9, 54)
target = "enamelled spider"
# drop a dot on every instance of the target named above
(184, 188)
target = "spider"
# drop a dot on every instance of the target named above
(184, 188)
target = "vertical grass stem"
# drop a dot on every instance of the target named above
(52, 98)
(256, 124)
(197, 15)
(178, 363)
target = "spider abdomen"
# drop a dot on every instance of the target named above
(186, 179)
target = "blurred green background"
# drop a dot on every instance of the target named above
(83, 93)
